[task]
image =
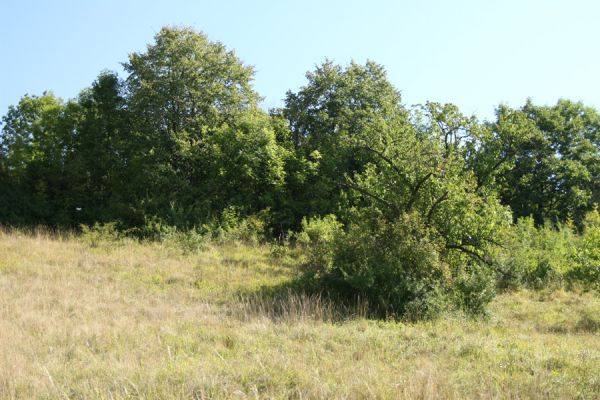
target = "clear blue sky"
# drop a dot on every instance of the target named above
(474, 53)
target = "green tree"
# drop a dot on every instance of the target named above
(555, 172)
(99, 167)
(335, 105)
(36, 136)
(422, 228)
(187, 97)
(244, 165)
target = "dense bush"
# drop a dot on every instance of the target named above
(398, 267)
(319, 236)
(99, 233)
(586, 256)
(549, 256)
(535, 257)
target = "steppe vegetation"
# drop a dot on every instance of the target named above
(124, 319)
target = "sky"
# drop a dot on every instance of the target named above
(473, 53)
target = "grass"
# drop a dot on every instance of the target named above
(130, 320)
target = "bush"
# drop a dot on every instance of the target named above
(319, 235)
(401, 268)
(535, 257)
(474, 289)
(227, 228)
(98, 233)
(231, 227)
(586, 257)
(395, 267)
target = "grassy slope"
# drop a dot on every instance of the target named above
(145, 321)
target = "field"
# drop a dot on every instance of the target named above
(146, 320)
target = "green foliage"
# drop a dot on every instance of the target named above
(203, 143)
(231, 227)
(396, 266)
(319, 235)
(586, 257)
(474, 289)
(535, 257)
(419, 220)
(99, 233)
(189, 241)
(407, 209)
(335, 105)
(33, 143)
(245, 165)
(555, 171)
(550, 256)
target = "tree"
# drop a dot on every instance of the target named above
(99, 167)
(244, 166)
(422, 228)
(555, 171)
(186, 83)
(35, 139)
(335, 105)
(185, 95)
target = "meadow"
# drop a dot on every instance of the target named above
(128, 319)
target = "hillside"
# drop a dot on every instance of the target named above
(146, 320)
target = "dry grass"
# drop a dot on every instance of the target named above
(132, 320)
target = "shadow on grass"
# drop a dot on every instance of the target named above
(298, 300)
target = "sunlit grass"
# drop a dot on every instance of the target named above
(131, 320)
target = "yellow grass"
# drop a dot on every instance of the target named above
(132, 320)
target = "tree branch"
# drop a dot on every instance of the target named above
(469, 252)
(380, 154)
(434, 206)
(415, 190)
(368, 194)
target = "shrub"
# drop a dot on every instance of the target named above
(395, 267)
(98, 233)
(231, 227)
(189, 241)
(474, 289)
(535, 257)
(319, 235)
(586, 257)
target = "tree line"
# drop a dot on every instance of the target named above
(182, 142)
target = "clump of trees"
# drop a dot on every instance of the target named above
(416, 210)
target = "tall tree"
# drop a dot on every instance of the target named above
(99, 167)
(421, 226)
(35, 139)
(335, 105)
(556, 173)
(185, 93)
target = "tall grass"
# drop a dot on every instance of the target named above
(293, 306)
(147, 320)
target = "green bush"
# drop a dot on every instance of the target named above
(227, 228)
(401, 268)
(99, 233)
(586, 257)
(319, 235)
(474, 288)
(231, 227)
(394, 266)
(535, 257)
